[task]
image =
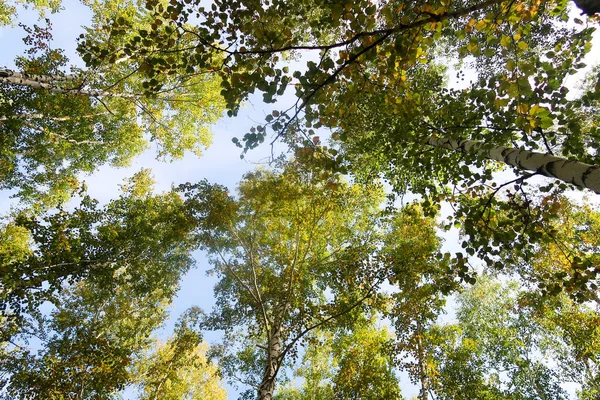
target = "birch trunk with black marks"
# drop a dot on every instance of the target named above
(272, 364)
(570, 171)
(423, 395)
(56, 84)
(15, 77)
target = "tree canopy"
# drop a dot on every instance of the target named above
(425, 224)
(381, 84)
(59, 121)
(292, 253)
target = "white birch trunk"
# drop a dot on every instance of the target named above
(574, 172)
(50, 78)
(53, 119)
(423, 395)
(52, 83)
(273, 362)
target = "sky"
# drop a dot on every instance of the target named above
(220, 163)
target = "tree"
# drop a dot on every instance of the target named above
(293, 254)
(317, 370)
(56, 124)
(504, 346)
(347, 364)
(140, 239)
(91, 286)
(366, 368)
(99, 341)
(179, 369)
(365, 47)
(422, 278)
(576, 346)
(380, 87)
(88, 343)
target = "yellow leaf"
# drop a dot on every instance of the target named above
(523, 108)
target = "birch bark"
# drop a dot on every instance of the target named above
(273, 362)
(53, 84)
(50, 78)
(570, 171)
(423, 395)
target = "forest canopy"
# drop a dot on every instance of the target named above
(425, 224)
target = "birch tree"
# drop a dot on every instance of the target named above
(99, 341)
(379, 80)
(139, 240)
(293, 254)
(379, 48)
(505, 346)
(354, 363)
(179, 368)
(58, 121)
(87, 344)
(422, 278)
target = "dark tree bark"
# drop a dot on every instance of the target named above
(588, 7)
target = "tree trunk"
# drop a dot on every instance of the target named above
(273, 362)
(52, 83)
(588, 7)
(50, 78)
(53, 119)
(574, 172)
(421, 354)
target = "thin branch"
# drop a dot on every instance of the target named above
(17, 345)
(65, 138)
(236, 276)
(255, 279)
(331, 317)
(384, 34)
(493, 194)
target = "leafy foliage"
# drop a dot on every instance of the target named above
(301, 254)
(179, 369)
(550, 242)
(502, 343)
(88, 343)
(379, 85)
(140, 240)
(8, 9)
(58, 124)
(354, 364)
(292, 254)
